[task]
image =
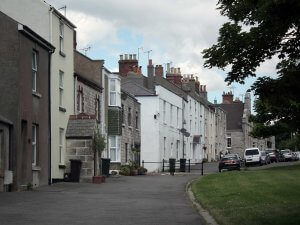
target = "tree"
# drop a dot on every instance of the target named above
(257, 31)
(98, 145)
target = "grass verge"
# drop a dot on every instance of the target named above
(269, 196)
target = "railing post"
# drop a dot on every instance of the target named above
(189, 165)
(163, 169)
(143, 164)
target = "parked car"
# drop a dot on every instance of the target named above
(230, 162)
(287, 155)
(274, 155)
(295, 156)
(264, 158)
(254, 156)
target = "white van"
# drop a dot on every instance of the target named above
(252, 156)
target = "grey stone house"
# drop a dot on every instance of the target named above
(24, 105)
(131, 132)
(88, 105)
(239, 126)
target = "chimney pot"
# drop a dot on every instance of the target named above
(130, 57)
(150, 62)
(134, 56)
(121, 57)
(126, 56)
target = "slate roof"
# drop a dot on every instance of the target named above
(136, 89)
(81, 128)
(234, 115)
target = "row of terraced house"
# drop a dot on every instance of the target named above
(53, 98)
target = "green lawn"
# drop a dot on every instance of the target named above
(269, 196)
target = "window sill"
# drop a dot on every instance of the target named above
(62, 54)
(35, 168)
(123, 124)
(36, 94)
(61, 166)
(130, 127)
(62, 109)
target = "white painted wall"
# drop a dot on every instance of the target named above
(150, 146)
(36, 14)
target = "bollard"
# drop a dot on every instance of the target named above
(202, 167)
(163, 169)
(189, 165)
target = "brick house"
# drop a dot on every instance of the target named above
(24, 104)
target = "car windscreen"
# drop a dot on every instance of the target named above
(252, 152)
(285, 152)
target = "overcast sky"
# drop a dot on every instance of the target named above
(175, 30)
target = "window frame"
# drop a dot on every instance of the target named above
(34, 144)
(61, 36)
(61, 145)
(34, 68)
(116, 92)
(61, 88)
(228, 142)
(116, 148)
(129, 117)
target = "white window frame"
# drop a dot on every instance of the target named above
(61, 36)
(177, 117)
(34, 144)
(34, 67)
(116, 92)
(116, 148)
(61, 88)
(61, 145)
(227, 141)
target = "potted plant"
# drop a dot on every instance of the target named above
(98, 146)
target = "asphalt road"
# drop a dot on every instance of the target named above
(149, 200)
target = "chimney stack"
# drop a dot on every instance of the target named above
(227, 97)
(159, 71)
(128, 63)
(174, 76)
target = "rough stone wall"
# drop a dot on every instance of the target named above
(220, 131)
(130, 134)
(237, 142)
(81, 150)
(89, 95)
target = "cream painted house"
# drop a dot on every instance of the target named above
(49, 23)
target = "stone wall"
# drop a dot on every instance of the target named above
(130, 134)
(81, 150)
(89, 95)
(237, 142)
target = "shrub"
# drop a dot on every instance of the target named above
(124, 170)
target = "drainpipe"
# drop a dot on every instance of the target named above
(49, 116)
(49, 92)
(183, 108)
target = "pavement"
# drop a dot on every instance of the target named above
(149, 200)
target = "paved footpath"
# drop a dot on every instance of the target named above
(140, 200)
